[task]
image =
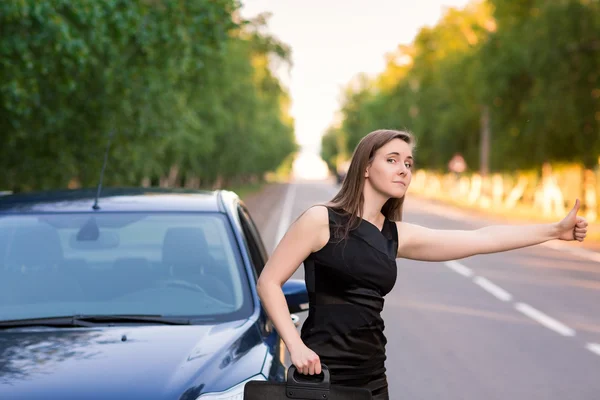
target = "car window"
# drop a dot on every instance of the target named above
(254, 241)
(120, 263)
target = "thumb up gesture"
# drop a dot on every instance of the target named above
(573, 227)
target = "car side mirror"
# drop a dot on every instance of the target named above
(296, 295)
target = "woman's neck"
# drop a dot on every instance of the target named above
(372, 205)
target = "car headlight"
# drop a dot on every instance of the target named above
(234, 393)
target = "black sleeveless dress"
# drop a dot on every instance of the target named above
(346, 282)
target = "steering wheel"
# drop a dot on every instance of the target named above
(184, 285)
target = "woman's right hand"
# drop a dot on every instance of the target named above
(305, 360)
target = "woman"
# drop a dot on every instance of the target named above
(349, 249)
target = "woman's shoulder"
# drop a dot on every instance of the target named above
(317, 214)
(315, 223)
(324, 213)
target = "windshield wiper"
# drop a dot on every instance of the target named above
(66, 322)
(91, 320)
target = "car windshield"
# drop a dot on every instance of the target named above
(120, 264)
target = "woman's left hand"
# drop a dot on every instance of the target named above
(573, 227)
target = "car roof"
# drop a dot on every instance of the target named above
(113, 199)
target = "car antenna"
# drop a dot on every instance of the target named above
(96, 206)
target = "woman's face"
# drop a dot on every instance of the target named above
(390, 172)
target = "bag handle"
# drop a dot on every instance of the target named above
(300, 386)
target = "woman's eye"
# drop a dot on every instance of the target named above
(408, 165)
(391, 160)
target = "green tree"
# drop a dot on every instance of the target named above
(534, 64)
(175, 80)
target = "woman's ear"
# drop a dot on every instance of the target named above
(367, 172)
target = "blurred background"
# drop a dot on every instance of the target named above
(503, 95)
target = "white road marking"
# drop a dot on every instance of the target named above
(458, 267)
(594, 348)
(286, 213)
(493, 288)
(545, 320)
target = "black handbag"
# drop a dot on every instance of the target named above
(303, 387)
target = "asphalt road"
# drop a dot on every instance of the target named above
(517, 325)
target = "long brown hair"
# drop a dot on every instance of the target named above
(350, 198)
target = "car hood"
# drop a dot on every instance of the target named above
(126, 362)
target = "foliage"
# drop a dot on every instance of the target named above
(535, 64)
(177, 82)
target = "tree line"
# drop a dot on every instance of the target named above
(527, 72)
(184, 88)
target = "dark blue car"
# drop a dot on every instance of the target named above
(151, 294)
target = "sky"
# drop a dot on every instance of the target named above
(332, 41)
